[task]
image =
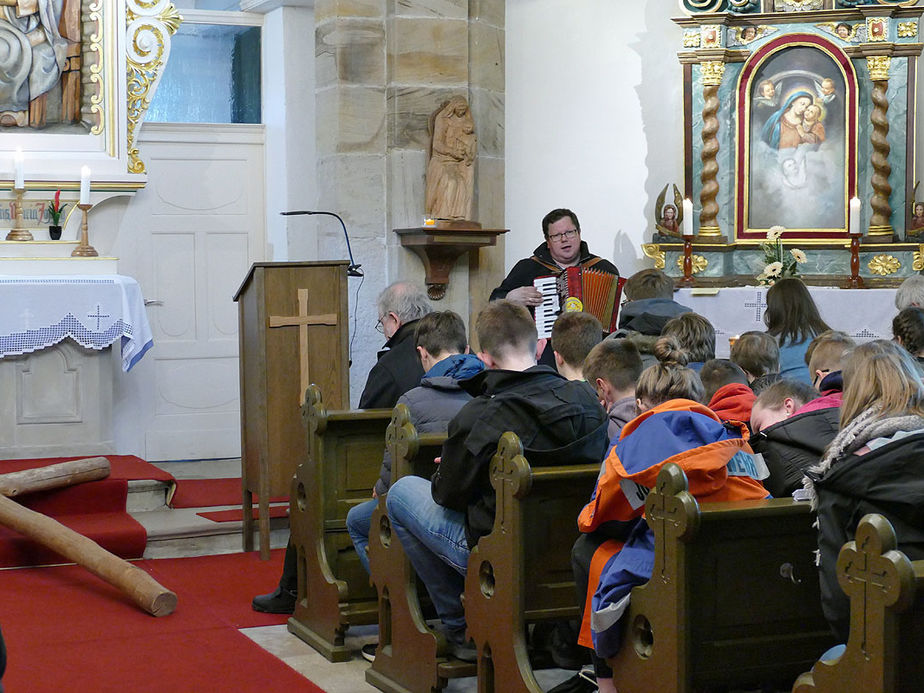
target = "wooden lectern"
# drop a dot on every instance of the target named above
(293, 332)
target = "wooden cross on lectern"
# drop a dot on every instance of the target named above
(303, 321)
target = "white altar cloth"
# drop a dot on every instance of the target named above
(93, 310)
(864, 314)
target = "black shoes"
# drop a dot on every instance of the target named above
(281, 601)
(582, 682)
(460, 647)
(368, 651)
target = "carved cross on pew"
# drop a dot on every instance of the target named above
(668, 509)
(508, 466)
(869, 573)
(303, 321)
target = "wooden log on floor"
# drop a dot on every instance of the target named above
(733, 600)
(885, 648)
(140, 587)
(411, 656)
(344, 457)
(53, 476)
(521, 572)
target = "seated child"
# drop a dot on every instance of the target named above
(574, 334)
(727, 391)
(759, 357)
(612, 368)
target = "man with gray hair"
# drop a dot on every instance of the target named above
(910, 293)
(400, 306)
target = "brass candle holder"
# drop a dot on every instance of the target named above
(18, 233)
(84, 249)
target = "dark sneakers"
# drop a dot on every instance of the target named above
(368, 651)
(582, 682)
(281, 601)
(459, 647)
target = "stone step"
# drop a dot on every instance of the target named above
(179, 532)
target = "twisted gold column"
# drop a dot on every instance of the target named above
(879, 224)
(712, 73)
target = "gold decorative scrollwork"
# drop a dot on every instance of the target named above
(917, 263)
(699, 263)
(691, 39)
(653, 250)
(884, 265)
(95, 48)
(879, 66)
(712, 73)
(149, 26)
(907, 29)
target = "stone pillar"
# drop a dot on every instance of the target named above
(382, 67)
(879, 224)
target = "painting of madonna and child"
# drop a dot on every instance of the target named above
(797, 142)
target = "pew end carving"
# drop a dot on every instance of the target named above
(733, 597)
(884, 649)
(411, 656)
(521, 572)
(344, 456)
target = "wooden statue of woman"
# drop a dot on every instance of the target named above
(451, 169)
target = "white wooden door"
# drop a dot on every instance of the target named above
(189, 237)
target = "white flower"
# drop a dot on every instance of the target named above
(774, 233)
(774, 269)
(798, 255)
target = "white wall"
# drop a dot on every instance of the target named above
(593, 120)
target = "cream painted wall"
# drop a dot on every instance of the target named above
(593, 120)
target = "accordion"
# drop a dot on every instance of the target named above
(579, 289)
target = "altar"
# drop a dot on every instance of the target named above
(56, 365)
(864, 314)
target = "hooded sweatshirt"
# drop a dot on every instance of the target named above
(733, 402)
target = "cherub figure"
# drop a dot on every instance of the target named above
(669, 217)
(812, 130)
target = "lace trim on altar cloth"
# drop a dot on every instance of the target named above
(32, 340)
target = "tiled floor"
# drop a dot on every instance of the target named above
(343, 677)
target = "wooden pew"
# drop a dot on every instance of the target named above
(885, 648)
(733, 598)
(344, 456)
(411, 656)
(521, 572)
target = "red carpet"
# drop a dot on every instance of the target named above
(95, 509)
(237, 514)
(67, 630)
(207, 493)
(126, 467)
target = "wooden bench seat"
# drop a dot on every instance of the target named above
(411, 656)
(885, 648)
(521, 572)
(733, 598)
(344, 457)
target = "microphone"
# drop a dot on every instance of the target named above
(353, 270)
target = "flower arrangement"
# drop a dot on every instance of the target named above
(777, 264)
(56, 208)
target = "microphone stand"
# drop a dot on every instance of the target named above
(353, 270)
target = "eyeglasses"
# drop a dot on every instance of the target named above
(567, 236)
(379, 326)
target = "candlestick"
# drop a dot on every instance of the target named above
(18, 233)
(85, 185)
(84, 249)
(687, 218)
(687, 279)
(854, 223)
(19, 179)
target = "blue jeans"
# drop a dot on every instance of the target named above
(358, 521)
(433, 537)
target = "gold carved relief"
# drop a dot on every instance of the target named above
(691, 39)
(712, 73)
(917, 263)
(879, 66)
(907, 29)
(698, 261)
(877, 29)
(884, 265)
(653, 250)
(149, 26)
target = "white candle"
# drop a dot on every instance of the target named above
(19, 181)
(84, 185)
(854, 215)
(687, 218)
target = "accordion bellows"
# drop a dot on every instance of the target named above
(580, 289)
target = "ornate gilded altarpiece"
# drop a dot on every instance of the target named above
(791, 108)
(105, 68)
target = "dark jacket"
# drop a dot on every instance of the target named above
(649, 315)
(397, 370)
(793, 445)
(434, 402)
(525, 271)
(558, 421)
(888, 480)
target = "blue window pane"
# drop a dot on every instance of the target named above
(212, 76)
